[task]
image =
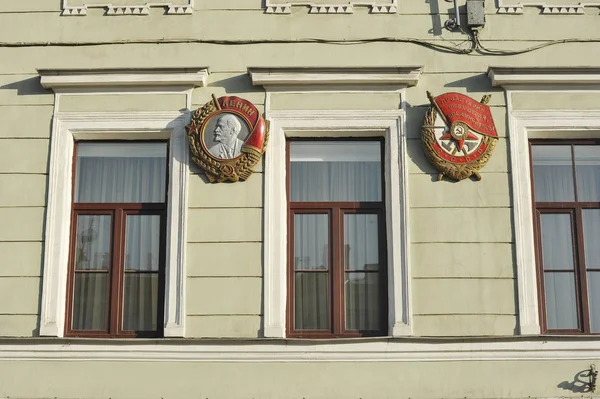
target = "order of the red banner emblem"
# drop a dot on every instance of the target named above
(458, 135)
(227, 137)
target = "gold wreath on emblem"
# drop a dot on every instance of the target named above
(220, 170)
(458, 131)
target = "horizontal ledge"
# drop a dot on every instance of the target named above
(79, 78)
(289, 350)
(397, 76)
(501, 76)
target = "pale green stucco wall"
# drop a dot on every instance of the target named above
(463, 279)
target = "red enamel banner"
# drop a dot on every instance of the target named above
(246, 108)
(460, 108)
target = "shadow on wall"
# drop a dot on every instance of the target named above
(436, 20)
(580, 384)
(27, 87)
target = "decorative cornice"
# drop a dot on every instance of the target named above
(280, 77)
(502, 76)
(134, 9)
(345, 8)
(73, 79)
(565, 9)
(281, 351)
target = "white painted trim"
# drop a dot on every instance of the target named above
(302, 351)
(522, 126)
(527, 77)
(273, 78)
(563, 9)
(68, 127)
(70, 79)
(139, 9)
(346, 8)
(383, 123)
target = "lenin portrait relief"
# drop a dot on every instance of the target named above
(225, 134)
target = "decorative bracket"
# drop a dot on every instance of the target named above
(566, 9)
(346, 8)
(135, 9)
(593, 375)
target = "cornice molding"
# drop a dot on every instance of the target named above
(390, 7)
(554, 9)
(281, 351)
(130, 9)
(504, 76)
(314, 76)
(73, 79)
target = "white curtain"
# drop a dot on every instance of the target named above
(118, 173)
(559, 271)
(92, 262)
(311, 271)
(591, 234)
(362, 272)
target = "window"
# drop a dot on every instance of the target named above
(566, 179)
(117, 259)
(336, 264)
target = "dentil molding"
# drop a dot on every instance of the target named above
(567, 9)
(341, 7)
(137, 7)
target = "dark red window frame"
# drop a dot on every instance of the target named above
(336, 295)
(118, 213)
(574, 210)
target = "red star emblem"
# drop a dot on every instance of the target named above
(460, 142)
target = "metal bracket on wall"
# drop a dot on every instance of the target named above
(593, 376)
(134, 9)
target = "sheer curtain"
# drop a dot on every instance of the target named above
(553, 173)
(336, 172)
(362, 271)
(311, 269)
(92, 262)
(559, 271)
(118, 173)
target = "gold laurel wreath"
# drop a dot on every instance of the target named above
(452, 170)
(219, 171)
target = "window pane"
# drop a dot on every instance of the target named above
(311, 242)
(92, 246)
(593, 279)
(140, 307)
(121, 172)
(363, 311)
(90, 301)
(361, 242)
(561, 307)
(587, 166)
(142, 242)
(311, 310)
(552, 173)
(557, 241)
(591, 237)
(335, 171)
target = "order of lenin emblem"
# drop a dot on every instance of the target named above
(227, 138)
(458, 135)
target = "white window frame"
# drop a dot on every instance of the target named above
(524, 125)
(69, 127)
(292, 124)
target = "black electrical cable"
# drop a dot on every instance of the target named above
(476, 46)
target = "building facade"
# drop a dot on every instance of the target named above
(342, 267)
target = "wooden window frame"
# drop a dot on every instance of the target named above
(336, 211)
(118, 213)
(574, 209)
